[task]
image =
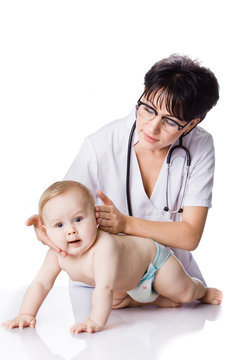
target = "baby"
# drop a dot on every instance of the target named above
(124, 270)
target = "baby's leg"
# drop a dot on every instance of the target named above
(212, 296)
(172, 281)
(122, 300)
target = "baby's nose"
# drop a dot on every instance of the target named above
(71, 232)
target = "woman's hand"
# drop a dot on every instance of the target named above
(109, 218)
(41, 234)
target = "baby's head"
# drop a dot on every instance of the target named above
(66, 209)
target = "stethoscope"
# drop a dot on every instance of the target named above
(168, 161)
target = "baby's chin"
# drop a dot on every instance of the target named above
(75, 251)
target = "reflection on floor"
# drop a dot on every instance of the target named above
(133, 333)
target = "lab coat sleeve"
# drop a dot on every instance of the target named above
(200, 182)
(84, 168)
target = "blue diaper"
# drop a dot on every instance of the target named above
(144, 291)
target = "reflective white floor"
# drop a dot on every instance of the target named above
(190, 332)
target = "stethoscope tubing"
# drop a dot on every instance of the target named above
(128, 169)
(168, 161)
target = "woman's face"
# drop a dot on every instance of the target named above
(152, 136)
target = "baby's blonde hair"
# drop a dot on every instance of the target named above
(61, 187)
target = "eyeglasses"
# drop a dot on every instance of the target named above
(147, 112)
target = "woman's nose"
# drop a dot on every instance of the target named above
(155, 125)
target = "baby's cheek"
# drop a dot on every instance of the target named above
(93, 231)
(54, 237)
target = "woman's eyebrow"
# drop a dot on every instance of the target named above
(169, 116)
(152, 104)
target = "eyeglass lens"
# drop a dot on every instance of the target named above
(147, 113)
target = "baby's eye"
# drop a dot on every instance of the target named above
(78, 219)
(59, 225)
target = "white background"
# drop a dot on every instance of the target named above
(69, 67)
(66, 69)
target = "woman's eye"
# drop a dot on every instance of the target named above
(169, 122)
(78, 219)
(148, 110)
(59, 225)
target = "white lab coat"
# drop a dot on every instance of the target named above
(101, 164)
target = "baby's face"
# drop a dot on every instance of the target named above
(70, 222)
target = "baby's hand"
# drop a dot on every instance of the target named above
(89, 325)
(21, 321)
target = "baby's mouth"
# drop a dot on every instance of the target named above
(74, 241)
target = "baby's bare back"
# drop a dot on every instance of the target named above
(133, 254)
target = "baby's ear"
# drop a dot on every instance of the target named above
(43, 228)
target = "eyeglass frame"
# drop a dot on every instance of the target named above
(180, 127)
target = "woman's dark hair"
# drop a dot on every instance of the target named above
(189, 89)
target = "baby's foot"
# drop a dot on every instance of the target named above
(164, 302)
(213, 296)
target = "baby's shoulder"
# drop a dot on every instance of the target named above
(52, 254)
(107, 242)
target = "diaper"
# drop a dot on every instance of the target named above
(144, 291)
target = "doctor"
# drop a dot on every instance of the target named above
(168, 200)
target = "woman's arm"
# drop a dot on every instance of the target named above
(185, 234)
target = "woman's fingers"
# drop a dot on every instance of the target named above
(109, 216)
(104, 222)
(48, 242)
(33, 220)
(41, 233)
(103, 215)
(103, 209)
(104, 198)
(108, 229)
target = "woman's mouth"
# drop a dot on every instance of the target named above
(149, 138)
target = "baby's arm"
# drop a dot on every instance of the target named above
(106, 262)
(36, 293)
